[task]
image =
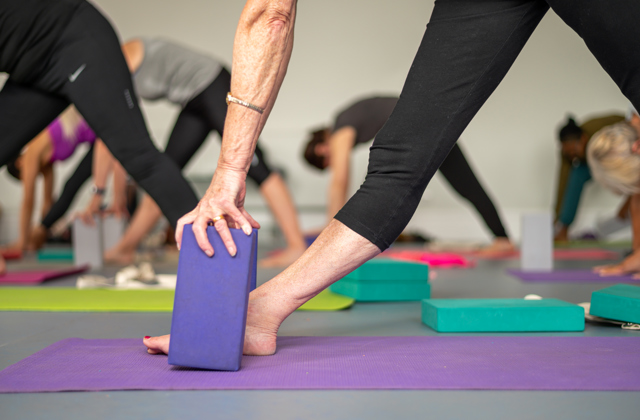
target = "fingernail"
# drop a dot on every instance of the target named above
(209, 253)
(146, 337)
(247, 230)
(233, 252)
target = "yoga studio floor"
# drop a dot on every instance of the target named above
(24, 333)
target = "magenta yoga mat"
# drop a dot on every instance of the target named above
(426, 362)
(39, 276)
(569, 276)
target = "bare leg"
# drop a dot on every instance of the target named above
(143, 220)
(3, 265)
(336, 252)
(275, 191)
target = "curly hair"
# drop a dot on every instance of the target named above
(611, 160)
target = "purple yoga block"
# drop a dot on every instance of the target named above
(210, 306)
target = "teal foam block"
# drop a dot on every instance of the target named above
(620, 302)
(55, 254)
(501, 315)
(382, 269)
(386, 280)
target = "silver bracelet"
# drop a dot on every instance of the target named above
(243, 103)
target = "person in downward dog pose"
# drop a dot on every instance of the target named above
(53, 145)
(62, 52)
(358, 123)
(199, 84)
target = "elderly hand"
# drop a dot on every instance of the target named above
(224, 197)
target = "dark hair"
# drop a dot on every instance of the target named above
(13, 169)
(570, 131)
(310, 155)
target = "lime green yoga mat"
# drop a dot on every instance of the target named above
(328, 301)
(101, 300)
(84, 300)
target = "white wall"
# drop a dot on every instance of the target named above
(347, 49)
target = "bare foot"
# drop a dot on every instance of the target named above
(281, 259)
(37, 238)
(499, 247)
(116, 256)
(259, 337)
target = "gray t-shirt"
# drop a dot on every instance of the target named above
(173, 72)
(367, 116)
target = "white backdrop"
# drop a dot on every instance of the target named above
(347, 49)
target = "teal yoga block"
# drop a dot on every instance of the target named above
(382, 279)
(620, 302)
(501, 315)
(55, 254)
(382, 291)
(384, 269)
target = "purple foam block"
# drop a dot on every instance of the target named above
(427, 362)
(569, 276)
(210, 305)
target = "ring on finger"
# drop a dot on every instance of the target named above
(215, 219)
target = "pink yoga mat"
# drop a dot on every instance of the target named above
(434, 259)
(11, 254)
(38, 276)
(427, 362)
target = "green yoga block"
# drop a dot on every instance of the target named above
(55, 254)
(620, 302)
(501, 315)
(382, 291)
(383, 269)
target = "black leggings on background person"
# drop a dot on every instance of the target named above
(203, 114)
(466, 51)
(70, 189)
(460, 176)
(87, 69)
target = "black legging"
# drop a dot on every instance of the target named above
(460, 176)
(467, 49)
(203, 114)
(71, 188)
(103, 94)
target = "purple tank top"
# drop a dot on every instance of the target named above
(64, 146)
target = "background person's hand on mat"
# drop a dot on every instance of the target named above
(225, 196)
(94, 208)
(630, 265)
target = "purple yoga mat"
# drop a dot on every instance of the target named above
(39, 276)
(426, 362)
(569, 276)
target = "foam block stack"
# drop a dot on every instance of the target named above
(620, 302)
(210, 306)
(383, 279)
(501, 315)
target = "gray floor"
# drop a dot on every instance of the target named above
(24, 333)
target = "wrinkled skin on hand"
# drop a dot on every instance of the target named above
(225, 196)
